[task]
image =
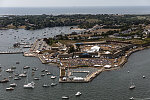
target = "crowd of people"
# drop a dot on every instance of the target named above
(88, 61)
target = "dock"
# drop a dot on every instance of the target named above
(87, 79)
(12, 52)
(42, 60)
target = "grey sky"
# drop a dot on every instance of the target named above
(52, 3)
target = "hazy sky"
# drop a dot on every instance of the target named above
(52, 3)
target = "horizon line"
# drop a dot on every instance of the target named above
(75, 6)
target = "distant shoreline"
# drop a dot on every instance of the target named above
(75, 10)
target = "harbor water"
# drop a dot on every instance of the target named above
(109, 85)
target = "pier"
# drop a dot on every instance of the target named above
(12, 52)
(80, 71)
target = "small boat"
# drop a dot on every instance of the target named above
(13, 67)
(9, 88)
(46, 70)
(13, 85)
(53, 84)
(5, 80)
(34, 69)
(26, 67)
(22, 75)
(132, 98)
(45, 85)
(132, 87)
(143, 76)
(48, 73)
(36, 78)
(78, 94)
(128, 71)
(16, 74)
(53, 77)
(43, 71)
(17, 78)
(42, 74)
(27, 46)
(17, 62)
(9, 70)
(65, 97)
(29, 85)
(10, 77)
(25, 72)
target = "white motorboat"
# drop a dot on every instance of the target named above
(46, 70)
(53, 84)
(132, 86)
(53, 77)
(65, 97)
(132, 98)
(13, 85)
(143, 76)
(9, 88)
(78, 94)
(26, 67)
(45, 85)
(9, 70)
(17, 78)
(22, 75)
(36, 78)
(48, 73)
(29, 85)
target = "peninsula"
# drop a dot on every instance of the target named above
(103, 42)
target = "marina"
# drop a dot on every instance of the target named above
(109, 84)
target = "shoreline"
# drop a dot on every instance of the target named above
(95, 74)
(125, 60)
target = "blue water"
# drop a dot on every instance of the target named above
(76, 10)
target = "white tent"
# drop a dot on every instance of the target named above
(107, 66)
(94, 49)
(107, 52)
